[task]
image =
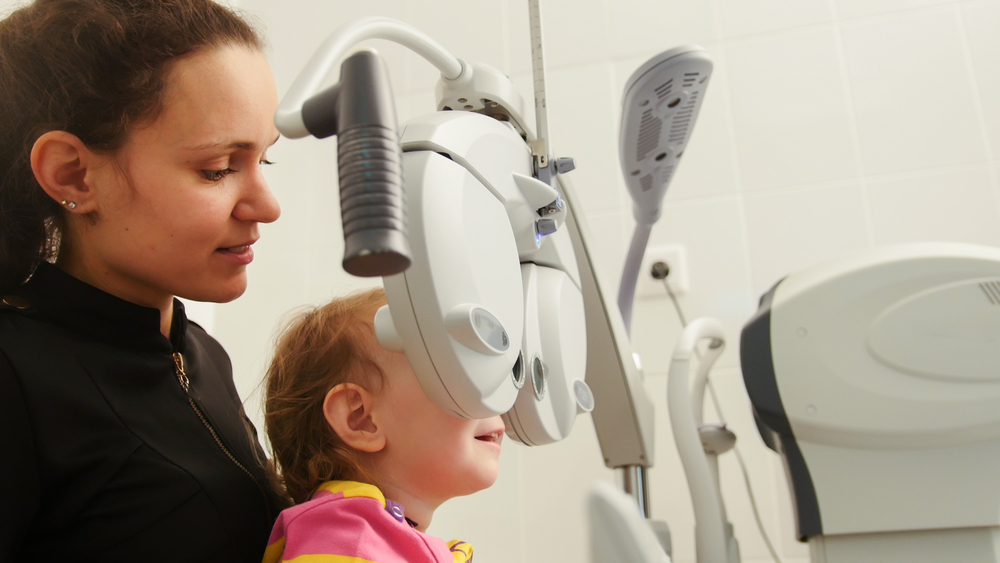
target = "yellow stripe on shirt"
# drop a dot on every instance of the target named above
(353, 489)
(461, 551)
(274, 551)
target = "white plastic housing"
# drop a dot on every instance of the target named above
(463, 253)
(473, 208)
(482, 88)
(659, 107)
(711, 541)
(385, 330)
(288, 117)
(555, 334)
(888, 369)
(623, 415)
(489, 150)
(618, 533)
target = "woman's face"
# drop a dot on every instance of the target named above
(179, 205)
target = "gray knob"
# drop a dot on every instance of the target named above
(545, 226)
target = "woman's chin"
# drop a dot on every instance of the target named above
(221, 292)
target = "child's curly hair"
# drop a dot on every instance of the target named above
(320, 348)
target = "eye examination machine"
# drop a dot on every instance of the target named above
(876, 378)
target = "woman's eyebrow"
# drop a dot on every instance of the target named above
(227, 144)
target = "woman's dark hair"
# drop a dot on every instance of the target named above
(93, 68)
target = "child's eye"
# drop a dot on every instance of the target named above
(217, 175)
(266, 162)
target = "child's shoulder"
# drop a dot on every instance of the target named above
(342, 518)
(351, 519)
(336, 497)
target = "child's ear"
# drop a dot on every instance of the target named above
(348, 410)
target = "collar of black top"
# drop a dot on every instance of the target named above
(80, 307)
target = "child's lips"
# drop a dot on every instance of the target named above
(495, 437)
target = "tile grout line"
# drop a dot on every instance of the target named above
(852, 121)
(977, 100)
(740, 195)
(733, 152)
(505, 28)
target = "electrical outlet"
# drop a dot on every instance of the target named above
(675, 256)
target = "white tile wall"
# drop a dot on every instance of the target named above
(848, 9)
(478, 37)
(588, 136)
(790, 111)
(912, 91)
(8, 6)
(749, 18)
(578, 30)
(658, 26)
(945, 205)
(981, 21)
(829, 126)
(789, 231)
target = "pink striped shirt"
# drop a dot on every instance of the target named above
(347, 522)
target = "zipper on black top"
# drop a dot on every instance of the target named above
(182, 378)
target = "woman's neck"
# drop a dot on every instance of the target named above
(82, 269)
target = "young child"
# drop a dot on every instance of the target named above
(351, 429)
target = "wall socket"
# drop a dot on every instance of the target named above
(675, 256)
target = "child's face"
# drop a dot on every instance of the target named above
(430, 453)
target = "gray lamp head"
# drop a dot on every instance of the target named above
(660, 105)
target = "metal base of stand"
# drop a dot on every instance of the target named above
(635, 485)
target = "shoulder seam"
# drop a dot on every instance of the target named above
(319, 503)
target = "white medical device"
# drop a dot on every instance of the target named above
(877, 379)
(618, 533)
(700, 444)
(659, 107)
(360, 110)
(490, 313)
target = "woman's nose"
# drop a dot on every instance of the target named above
(258, 202)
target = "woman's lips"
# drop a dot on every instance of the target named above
(241, 255)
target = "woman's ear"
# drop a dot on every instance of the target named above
(348, 410)
(62, 164)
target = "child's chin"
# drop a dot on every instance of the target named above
(483, 479)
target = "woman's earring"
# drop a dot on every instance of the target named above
(69, 204)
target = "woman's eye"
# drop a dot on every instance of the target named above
(266, 162)
(216, 175)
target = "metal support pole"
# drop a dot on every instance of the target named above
(635, 485)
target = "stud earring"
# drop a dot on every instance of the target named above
(69, 204)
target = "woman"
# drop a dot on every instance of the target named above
(132, 137)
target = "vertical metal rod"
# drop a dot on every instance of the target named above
(635, 485)
(540, 148)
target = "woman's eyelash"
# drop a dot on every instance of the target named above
(217, 175)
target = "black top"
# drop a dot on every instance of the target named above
(104, 456)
